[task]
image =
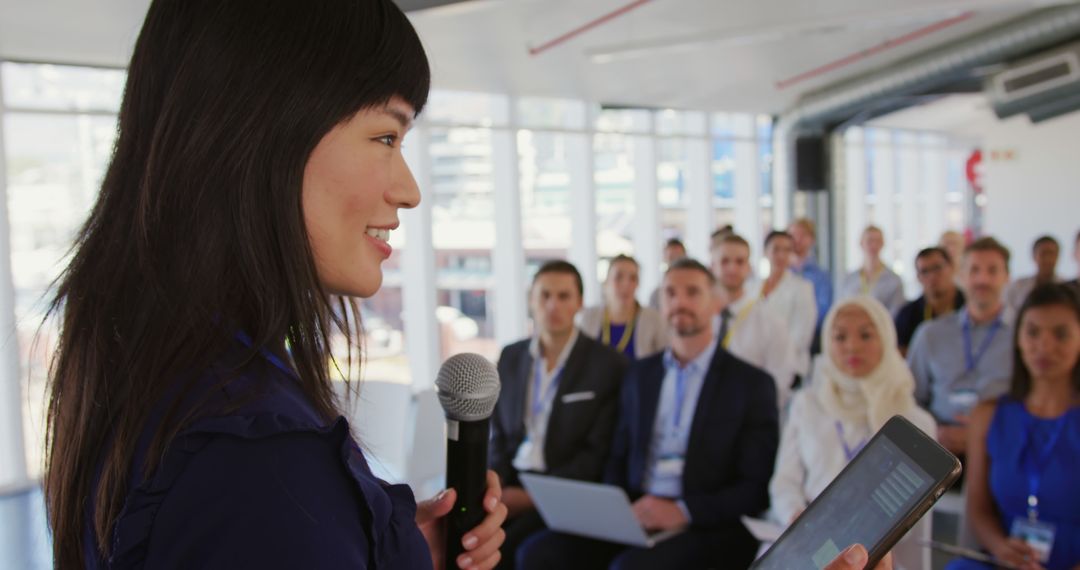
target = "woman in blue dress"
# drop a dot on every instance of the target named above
(1024, 449)
(256, 178)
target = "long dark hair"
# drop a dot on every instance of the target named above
(1041, 296)
(198, 230)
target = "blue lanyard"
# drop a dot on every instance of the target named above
(974, 358)
(539, 404)
(246, 341)
(849, 452)
(1037, 459)
(680, 396)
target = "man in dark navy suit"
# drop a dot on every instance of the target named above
(556, 412)
(694, 447)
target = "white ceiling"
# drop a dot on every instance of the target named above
(707, 54)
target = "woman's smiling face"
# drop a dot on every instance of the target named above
(354, 183)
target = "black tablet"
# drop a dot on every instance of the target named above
(874, 501)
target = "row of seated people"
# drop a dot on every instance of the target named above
(682, 408)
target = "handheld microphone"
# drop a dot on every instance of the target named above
(468, 386)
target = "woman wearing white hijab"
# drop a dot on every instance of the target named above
(860, 380)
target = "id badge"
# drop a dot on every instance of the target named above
(962, 401)
(1037, 534)
(670, 466)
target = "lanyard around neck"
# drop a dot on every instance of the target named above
(1037, 458)
(739, 318)
(972, 358)
(866, 283)
(605, 332)
(539, 404)
(849, 452)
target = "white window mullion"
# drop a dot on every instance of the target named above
(508, 255)
(700, 212)
(646, 212)
(418, 269)
(12, 445)
(583, 227)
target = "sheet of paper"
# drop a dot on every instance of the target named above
(763, 530)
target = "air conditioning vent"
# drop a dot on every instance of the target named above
(1043, 86)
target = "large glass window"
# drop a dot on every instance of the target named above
(671, 174)
(383, 342)
(614, 177)
(544, 190)
(59, 129)
(909, 183)
(463, 234)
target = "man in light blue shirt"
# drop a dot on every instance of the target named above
(962, 358)
(804, 265)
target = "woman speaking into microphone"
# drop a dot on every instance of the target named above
(256, 176)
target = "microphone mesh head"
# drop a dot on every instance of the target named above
(468, 386)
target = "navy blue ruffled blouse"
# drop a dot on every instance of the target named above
(269, 485)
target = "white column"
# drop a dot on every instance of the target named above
(855, 201)
(12, 445)
(579, 154)
(884, 176)
(418, 270)
(647, 246)
(783, 173)
(909, 178)
(748, 188)
(700, 213)
(935, 183)
(841, 195)
(508, 255)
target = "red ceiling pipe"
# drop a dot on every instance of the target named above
(587, 26)
(884, 46)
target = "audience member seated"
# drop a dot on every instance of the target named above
(673, 249)
(789, 298)
(556, 412)
(805, 265)
(745, 328)
(694, 448)
(961, 359)
(719, 234)
(874, 278)
(859, 381)
(941, 295)
(1024, 448)
(620, 322)
(1045, 252)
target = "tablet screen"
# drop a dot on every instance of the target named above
(865, 502)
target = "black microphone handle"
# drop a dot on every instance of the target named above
(466, 473)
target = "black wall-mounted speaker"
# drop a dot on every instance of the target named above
(810, 163)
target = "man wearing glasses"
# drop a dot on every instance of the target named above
(940, 294)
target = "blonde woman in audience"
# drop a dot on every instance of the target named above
(874, 278)
(860, 380)
(1023, 459)
(621, 322)
(789, 298)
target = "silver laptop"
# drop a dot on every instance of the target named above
(589, 509)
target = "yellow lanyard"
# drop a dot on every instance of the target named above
(738, 321)
(605, 335)
(928, 314)
(867, 284)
